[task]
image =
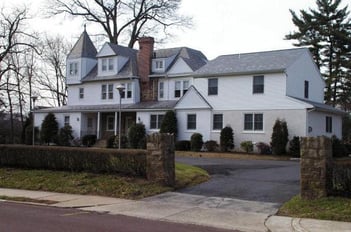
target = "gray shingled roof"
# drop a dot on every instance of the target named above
(151, 105)
(321, 106)
(194, 58)
(128, 70)
(258, 62)
(83, 48)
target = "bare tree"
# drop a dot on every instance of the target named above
(12, 37)
(129, 19)
(52, 72)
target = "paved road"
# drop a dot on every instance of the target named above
(254, 180)
(27, 218)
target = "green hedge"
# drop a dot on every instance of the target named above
(126, 161)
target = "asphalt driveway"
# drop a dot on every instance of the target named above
(253, 180)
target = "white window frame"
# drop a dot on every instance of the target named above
(256, 88)
(66, 120)
(253, 123)
(187, 122)
(159, 64)
(73, 68)
(161, 90)
(213, 122)
(182, 86)
(81, 93)
(106, 91)
(158, 122)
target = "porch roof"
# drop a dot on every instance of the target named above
(321, 106)
(140, 106)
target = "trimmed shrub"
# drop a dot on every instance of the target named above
(279, 137)
(128, 162)
(227, 139)
(169, 123)
(182, 145)
(294, 146)
(137, 136)
(49, 129)
(264, 148)
(196, 142)
(89, 140)
(211, 145)
(65, 136)
(112, 141)
(247, 146)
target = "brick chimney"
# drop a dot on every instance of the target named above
(146, 48)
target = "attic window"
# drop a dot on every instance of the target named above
(73, 69)
(107, 64)
(159, 64)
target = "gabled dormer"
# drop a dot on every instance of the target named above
(111, 59)
(81, 60)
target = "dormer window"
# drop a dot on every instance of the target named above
(159, 64)
(73, 69)
(107, 64)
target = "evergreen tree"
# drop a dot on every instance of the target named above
(327, 31)
(137, 136)
(280, 137)
(227, 139)
(49, 129)
(169, 123)
(65, 136)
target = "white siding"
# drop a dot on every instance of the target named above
(235, 93)
(92, 94)
(180, 67)
(304, 69)
(316, 122)
(203, 119)
(169, 87)
(235, 119)
(73, 79)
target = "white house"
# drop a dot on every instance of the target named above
(245, 91)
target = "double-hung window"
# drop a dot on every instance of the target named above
(161, 90)
(107, 91)
(127, 92)
(191, 122)
(107, 64)
(328, 124)
(66, 121)
(258, 84)
(253, 122)
(156, 121)
(213, 86)
(217, 121)
(81, 93)
(185, 86)
(73, 69)
(177, 89)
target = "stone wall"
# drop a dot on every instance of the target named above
(160, 159)
(316, 167)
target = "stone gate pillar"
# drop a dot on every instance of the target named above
(316, 161)
(160, 159)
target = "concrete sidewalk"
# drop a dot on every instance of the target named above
(190, 209)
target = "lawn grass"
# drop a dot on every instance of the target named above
(330, 208)
(96, 184)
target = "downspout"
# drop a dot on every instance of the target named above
(307, 127)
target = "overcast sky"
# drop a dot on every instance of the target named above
(220, 26)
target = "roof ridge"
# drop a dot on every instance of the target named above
(268, 51)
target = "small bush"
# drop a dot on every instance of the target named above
(263, 148)
(112, 141)
(65, 136)
(247, 146)
(137, 136)
(227, 139)
(211, 145)
(294, 146)
(196, 142)
(182, 145)
(129, 162)
(49, 129)
(89, 140)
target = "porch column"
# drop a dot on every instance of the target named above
(116, 115)
(98, 126)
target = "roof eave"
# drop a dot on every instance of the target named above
(239, 73)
